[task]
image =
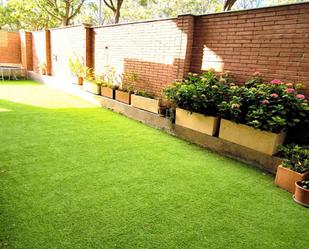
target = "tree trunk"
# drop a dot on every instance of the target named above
(117, 15)
(65, 21)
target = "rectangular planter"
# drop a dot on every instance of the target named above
(196, 121)
(91, 87)
(107, 92)
(286, 178)
(123, 97)
(148, 104)
(262, 141)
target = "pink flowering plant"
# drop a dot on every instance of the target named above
(273, 106)
(199, 93)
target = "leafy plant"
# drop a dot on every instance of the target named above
(256, 80)
(88, 74)
(143, 94)
(295, 157)
(76, 66)
(128, 82)
(199, 93)
(273, 106)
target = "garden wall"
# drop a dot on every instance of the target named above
(273, 41)
(10, 51)
(39, 49)
(66, 43)
(154, 51)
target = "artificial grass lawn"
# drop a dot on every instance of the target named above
(85, 177)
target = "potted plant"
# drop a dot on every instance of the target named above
(196, 100)
(301, 195)
(91, 83)
(108, 90)
(43, 68)
(125, 89)
(258, 114)
(144, 100)
(123, 94)
(294, 167)
(77, 70)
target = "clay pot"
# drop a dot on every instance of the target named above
(80, 80)
(301, 195)
(286, 178)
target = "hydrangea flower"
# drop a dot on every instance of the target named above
(274, 95)
(300, 96)
(289, 90)
(276, 82)
(289, 85)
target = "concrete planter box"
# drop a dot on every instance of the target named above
(107, 92)
(123, 97)
(148, 104)
(196, 121)
(91, 87)
(286, 178)
(262, 141)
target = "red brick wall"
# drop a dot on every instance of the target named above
(273, 41)
(10, 51)
(154, 51)
(26, 49)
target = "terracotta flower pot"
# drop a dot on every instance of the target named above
(107, 92)
(196, 121)
(286, 178)
(123, 97)
(247, 136)
(301, 195)
(80, 80)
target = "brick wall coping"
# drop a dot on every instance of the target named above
(6, 31)
(136, 22)
(268, 8)
(67, 27)
(226, 13)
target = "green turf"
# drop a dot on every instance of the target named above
(85, 177)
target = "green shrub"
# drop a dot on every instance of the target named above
(295, 157)
(273, 107)
(199, 93)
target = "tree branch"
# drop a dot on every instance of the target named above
(110, 6)
(77, 10)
